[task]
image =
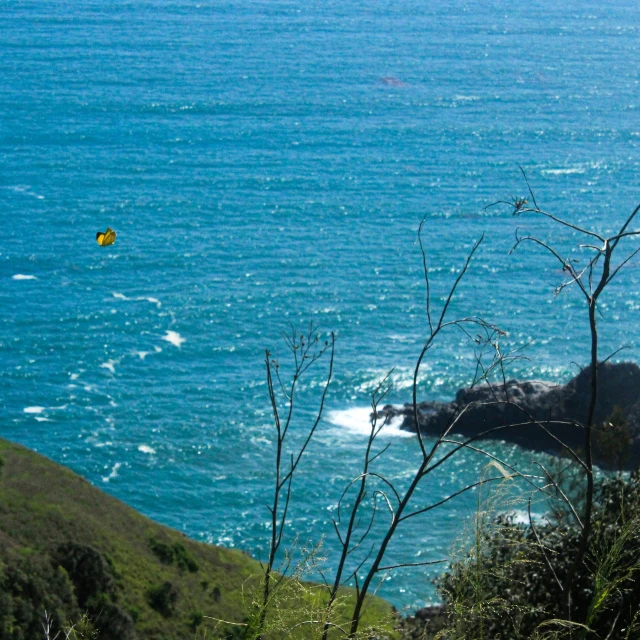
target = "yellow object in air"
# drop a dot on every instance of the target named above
(104, 239)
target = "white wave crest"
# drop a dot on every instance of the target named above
(33, 409)
(110, 364)
(22, 276)
(358, 420)
(121, 296)
(174, 338)
(114, 472)
(143, 448)
(562, 172)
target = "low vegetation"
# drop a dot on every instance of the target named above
(507, 581)
(85, 560)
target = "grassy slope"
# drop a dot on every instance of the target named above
(43, 504)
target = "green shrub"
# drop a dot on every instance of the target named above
(184, 560)
(164, 552)
(176, 552)
(508, 585)
(90, 572)
(28, 587)
(134, 612)
(114, 623)
(163, 598)
(195, 619)
(93, 579)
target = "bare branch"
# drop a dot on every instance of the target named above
(426, 273)
(412, 564)
(625, 261)
(566, 264)
(479, 483)
(533, 198)
(623, 229)
(614, 354)
(542, 547)
(562, 493)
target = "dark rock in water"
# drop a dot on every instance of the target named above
(616, 434)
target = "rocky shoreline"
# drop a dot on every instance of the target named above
(616, 436)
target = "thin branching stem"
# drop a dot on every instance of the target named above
(305, 351)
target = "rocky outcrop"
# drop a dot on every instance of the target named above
(560, 408)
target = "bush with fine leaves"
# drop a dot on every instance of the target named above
(510, 584)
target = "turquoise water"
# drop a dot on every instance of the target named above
(266, 164)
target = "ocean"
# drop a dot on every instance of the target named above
(266, 165)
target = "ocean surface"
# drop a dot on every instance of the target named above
(266, 165)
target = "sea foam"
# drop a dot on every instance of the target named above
(110, 364)
(143, 448)
(174, 338)
(358, 420)
(151, 299)
(114, 472)
(33, 409)
(562, 172)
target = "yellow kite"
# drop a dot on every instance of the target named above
(104, 239)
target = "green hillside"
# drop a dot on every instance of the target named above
(68, 548)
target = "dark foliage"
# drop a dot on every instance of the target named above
(115, 623)
(91, 573)
(164, 552)
(93, 578)
(28, 587)
(163, 598)
(195, 619)
(184, 560)
(77, 580)
(174, 553)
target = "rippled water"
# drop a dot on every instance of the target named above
(266, 164)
